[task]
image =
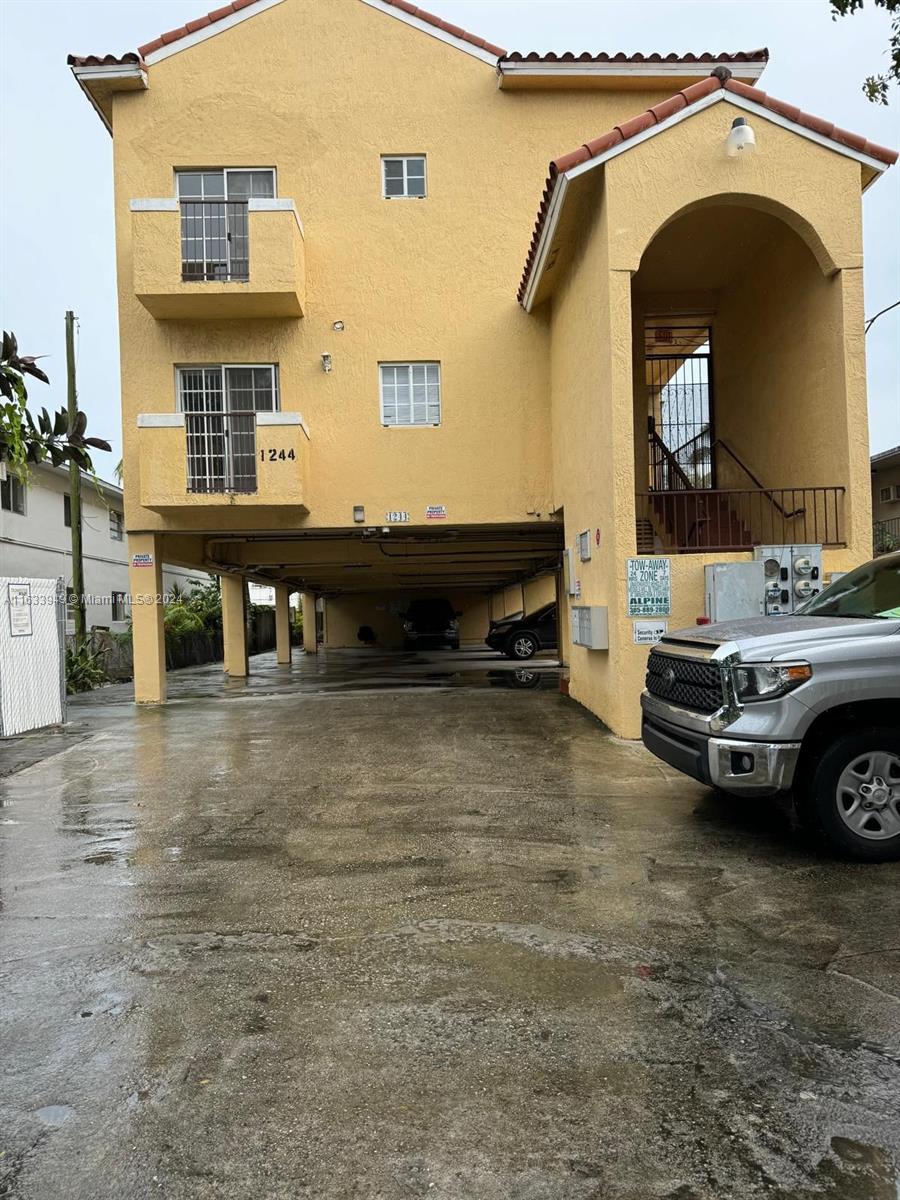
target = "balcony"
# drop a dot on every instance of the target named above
(698, 521)
(208, 260)
(209, 461)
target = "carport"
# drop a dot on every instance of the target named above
(368, 576)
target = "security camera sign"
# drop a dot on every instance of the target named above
(649, 587)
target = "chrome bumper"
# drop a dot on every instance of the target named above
(771, 765)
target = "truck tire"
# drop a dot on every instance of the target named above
(850, 797)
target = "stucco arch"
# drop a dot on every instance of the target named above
(805, 230)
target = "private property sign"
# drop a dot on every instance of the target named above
(142, 560)
(649, 587)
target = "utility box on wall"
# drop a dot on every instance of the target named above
(590, 626)
(734, 590)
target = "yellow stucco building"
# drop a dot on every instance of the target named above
(345, 370)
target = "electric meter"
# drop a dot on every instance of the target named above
(803, 565)
(803, 589)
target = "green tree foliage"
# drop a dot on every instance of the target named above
(24, 439)
(876, 86)
(84, 669)
(196, 611)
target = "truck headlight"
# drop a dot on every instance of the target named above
(768, 680)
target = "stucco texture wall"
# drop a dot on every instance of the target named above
(596, 421)
(321, 91)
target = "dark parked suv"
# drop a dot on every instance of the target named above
(521, 637)
(430, 622)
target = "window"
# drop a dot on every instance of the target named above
(118, 606)
(584, 546)
(403, 177)
(116, 525)
(220, 405)
(887, 494)
(411, 393)
(12, 495)
(215, 233)
(67, 511)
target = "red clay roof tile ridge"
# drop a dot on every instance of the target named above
(719, 79)
(462, 34)
(704, 57)
(183, 31)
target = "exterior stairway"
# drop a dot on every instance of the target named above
(646, 539)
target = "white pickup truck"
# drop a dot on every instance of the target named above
(808, 704)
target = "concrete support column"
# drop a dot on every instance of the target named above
(283, 625)
(308, 602)
(234, 625)
(148, 635)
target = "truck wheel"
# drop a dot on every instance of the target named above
(851, 798)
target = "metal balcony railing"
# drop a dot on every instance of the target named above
(730, 519)
(215, 241)
(221, 451)
(886, 535)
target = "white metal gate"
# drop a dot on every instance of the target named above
(32, 654)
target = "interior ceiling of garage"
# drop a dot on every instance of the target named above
(338, 562)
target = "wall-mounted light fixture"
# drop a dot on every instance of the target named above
(338, 326)
(326, 363)
(741, 139)
(359, 514)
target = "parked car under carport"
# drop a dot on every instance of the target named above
(521, 637)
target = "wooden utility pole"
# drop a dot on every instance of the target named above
(75, 489)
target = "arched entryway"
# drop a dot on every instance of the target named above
(740, 409)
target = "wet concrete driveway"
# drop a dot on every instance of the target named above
(395, 938)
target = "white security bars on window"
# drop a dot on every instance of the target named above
(220, 404)
(215, 235)
(411, 393)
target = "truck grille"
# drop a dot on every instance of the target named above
(685, 682)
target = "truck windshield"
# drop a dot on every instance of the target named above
(872, 590)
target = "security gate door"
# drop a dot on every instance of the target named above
(679, 390)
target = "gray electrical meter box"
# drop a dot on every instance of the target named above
(793, 574)
(734, 590)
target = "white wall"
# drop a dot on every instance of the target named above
(38, 543)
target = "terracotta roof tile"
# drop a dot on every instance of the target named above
(462, 34)
(708, 56)
(175, 35)
(667, 108)
(105, 60)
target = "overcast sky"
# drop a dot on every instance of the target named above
(56, 221)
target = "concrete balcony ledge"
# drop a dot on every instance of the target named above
(276, 286)
(281, 458)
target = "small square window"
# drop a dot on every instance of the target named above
(116, 525)
(12, 495)
(119, 612)
(403, 177)
(410, 393)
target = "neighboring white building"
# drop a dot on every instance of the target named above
(35, 541)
